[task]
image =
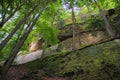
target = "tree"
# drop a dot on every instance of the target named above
(71, 4)
(19, 45)
(9, 8)
(36, 11)
(5, 41)
(109, 29)
(73, 22)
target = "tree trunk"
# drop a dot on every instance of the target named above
(109, 29)
(73, 21)
(5, 41)
(18, 46)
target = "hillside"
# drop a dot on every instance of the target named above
(96, 62)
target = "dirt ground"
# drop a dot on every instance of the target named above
(22, 73)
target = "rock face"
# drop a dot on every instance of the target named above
(34, 46)
(21, 59)
(82, 39)
(98, 62)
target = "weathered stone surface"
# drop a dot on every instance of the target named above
(21, 59)
(82, 39)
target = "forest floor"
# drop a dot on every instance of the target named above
(23, 73)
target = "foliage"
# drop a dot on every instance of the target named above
(95, 23)
(48, 33)
(117, 6)
(15, 18)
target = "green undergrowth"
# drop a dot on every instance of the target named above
(98, 62)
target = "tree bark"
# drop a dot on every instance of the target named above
(18, 46)
(5, 41)
(73, 21)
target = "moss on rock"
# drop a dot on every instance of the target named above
(98, 62)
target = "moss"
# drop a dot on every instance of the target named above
(99, 62)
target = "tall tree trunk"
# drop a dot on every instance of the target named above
(19, 45)
(109, 29)
(5, 41)
(73, 22)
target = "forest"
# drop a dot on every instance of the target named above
(59, 39)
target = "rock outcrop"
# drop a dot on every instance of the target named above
(97, 62)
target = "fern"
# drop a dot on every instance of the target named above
(48, 33)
